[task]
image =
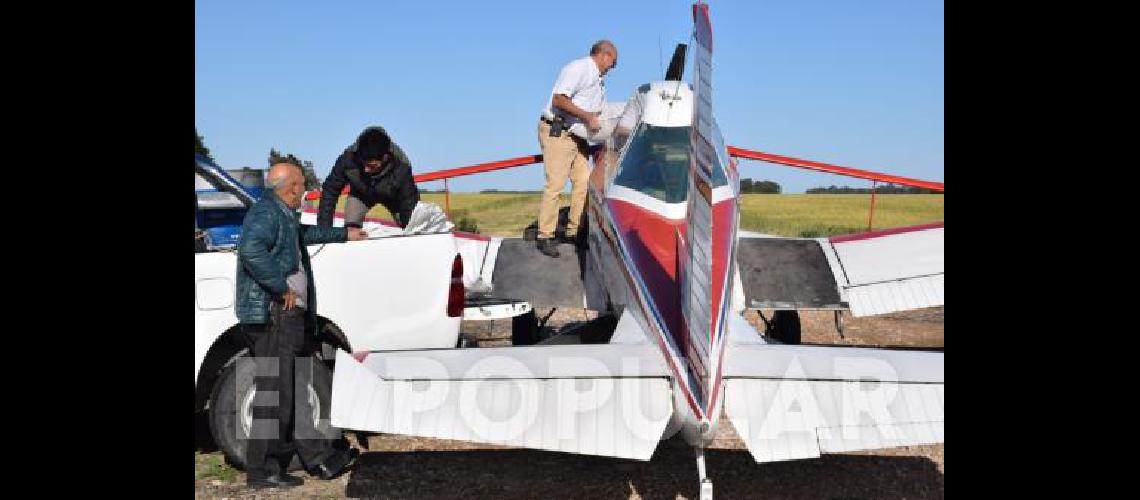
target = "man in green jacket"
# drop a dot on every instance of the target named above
(276, 303)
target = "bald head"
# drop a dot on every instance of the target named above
(604, 54)
(601, 45)
(286, 180)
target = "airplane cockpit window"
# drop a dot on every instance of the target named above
(629, 119)
(657, 164)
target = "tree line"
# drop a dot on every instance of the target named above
(763, 187)
(885, 189)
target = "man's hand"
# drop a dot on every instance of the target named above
(356, 234)
(290, 300)
(592, 122)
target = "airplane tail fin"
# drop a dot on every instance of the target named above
(706, 252)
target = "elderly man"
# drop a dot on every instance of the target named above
(276, 304)
(376, 171)
(568, 117)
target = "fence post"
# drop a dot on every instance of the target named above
(871, 215)
(446, 199)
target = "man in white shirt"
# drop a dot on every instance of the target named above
(576, 101)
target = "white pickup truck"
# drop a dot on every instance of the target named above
(393, 291)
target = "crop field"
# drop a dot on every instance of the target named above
(798, 215)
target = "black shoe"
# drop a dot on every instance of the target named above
(546, 246)
(568, 240)
(275, 481)
(335, 465)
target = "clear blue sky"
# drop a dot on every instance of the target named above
(858, 83)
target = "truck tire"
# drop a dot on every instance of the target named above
(231, 414)
(785, 327)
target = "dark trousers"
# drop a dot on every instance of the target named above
(283, 376)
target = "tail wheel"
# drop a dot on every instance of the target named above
(524, 329)
(785, 327)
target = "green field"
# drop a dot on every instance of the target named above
(804, 215)
(817, 215)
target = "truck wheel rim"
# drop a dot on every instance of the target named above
(247, 409)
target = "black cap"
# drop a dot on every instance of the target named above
(372, 144)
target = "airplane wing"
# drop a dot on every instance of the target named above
(608, 400)
(521, 272)
(791, 402)
(870, 273)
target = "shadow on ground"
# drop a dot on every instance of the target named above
(671, 473)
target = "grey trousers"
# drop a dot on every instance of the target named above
(354, 211)
(280, 427)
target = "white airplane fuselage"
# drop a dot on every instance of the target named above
(638, 219)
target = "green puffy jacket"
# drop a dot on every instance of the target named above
(267, 253)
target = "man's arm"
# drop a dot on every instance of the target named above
(408, 194)
(253, 253)
(313, 235)
(561, 101)
(330, 193)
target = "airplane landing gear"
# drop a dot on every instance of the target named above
(706, 483)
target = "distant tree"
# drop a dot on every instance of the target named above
(766, 187)
(884, 189)
(311, 180)
(199, 147)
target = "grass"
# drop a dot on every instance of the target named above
(213, 466)
(819, 215)
(798, 215)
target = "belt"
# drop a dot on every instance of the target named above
(582, 142)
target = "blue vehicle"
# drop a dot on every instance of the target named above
(220, 204)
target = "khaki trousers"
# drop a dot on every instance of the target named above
(562, 157)
(354, 212)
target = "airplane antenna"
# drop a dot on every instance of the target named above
(660, 63)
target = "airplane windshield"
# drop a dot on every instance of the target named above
(657, 164)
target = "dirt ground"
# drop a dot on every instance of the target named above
(405, 467)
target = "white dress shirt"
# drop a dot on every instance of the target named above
(581, 81)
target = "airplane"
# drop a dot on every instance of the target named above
(664, 262)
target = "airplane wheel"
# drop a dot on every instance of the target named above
(785, 327)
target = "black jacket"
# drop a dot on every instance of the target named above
(392, 186)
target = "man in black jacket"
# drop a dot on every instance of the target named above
(376, 171)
